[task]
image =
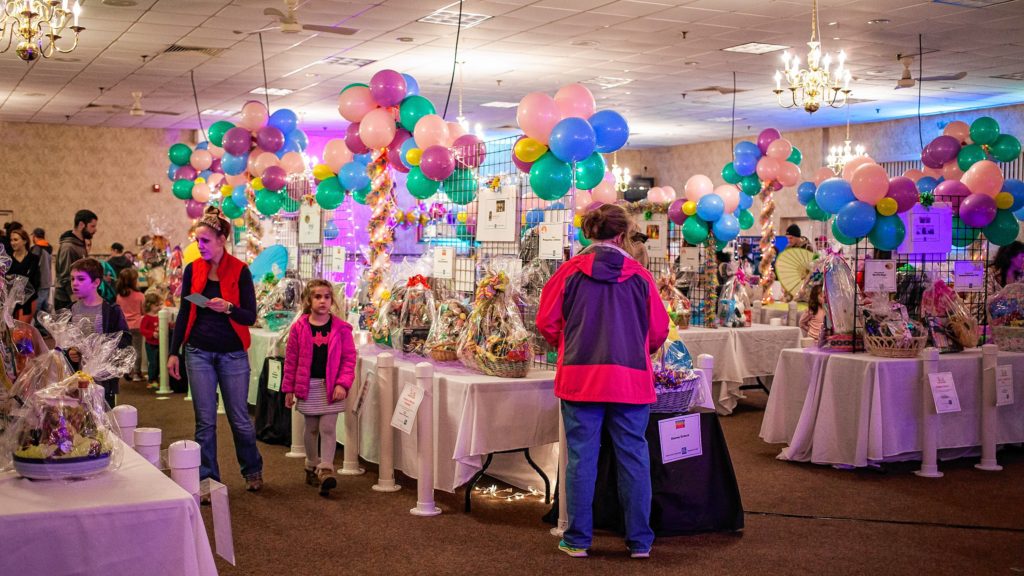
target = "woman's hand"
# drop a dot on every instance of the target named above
(340, 393)
(289, 400)
(219, 305)
(74, 355)
(172, 367)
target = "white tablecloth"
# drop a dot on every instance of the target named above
(263, 343)
(131, 521)
(853, 409)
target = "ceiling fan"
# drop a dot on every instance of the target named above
(289, 24)
(908, 81)
(135, 109)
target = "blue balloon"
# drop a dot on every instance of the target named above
(556, 206)
(238, 196)
(805, 192)
(856, 219)
(534, 217)
(412, 87)
(927, 184)
(171, 170)
(353, 176)
(726, 228)
(366, 158)
(746, 164)
(572, 140)
(331, 230)
(745, 202)
(1016, 189)
(284, 120)
(781, 242)
(1019, 214)
(834, 194)
(205, 174)
(298, 138)
(746, 148)
(406, 146)
(711, 207)
(289, 146)
(203, 146)
(611, 130)
(888, 233)
(234, 165)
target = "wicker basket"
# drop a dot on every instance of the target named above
(682, 321)
(675, 400)
(503, 368)
(443, 354)
(1009, 338)
(895, 347)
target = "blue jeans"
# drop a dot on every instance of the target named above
(231, 370)
(626, 424)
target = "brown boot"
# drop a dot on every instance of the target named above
(311, 478)
(254, 482)
(327, 480)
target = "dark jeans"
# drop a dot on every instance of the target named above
(153, 362)
(231, 371)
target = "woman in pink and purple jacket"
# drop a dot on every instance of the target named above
(319, 366)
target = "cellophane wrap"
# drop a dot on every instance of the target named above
(733, 303)
(363, 312)
(1006, 308)
(883, 317)
(840, 294)
(677, 305)
(529, 283)
(947, 316)
(496, 341)
(389, 309)
(280, 301)
(675, 381)
(415, 318)
(18, 341)
(449, 324)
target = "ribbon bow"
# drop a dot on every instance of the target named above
(490, 286)
(418, 280)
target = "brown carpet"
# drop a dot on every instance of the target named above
(857, 522)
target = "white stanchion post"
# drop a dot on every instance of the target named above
(929, 419)
(350, 464)
(164, 321)
(425, 439)
(989, 411)
(147, 444)
(183, 457)
(758, 313)
(563, 463)
(298, 449)
(792, 316)
(706, 364)
(127, 418)
(386, 470)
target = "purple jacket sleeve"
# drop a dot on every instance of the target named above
(291, 360)
(658, 318)
(347, 373)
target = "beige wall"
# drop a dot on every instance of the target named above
(49, 171)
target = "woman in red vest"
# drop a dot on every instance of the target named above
(215, 335)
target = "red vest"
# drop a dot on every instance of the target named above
(229, 270)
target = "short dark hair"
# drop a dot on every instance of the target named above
(90, 266)
(39, 233)
(117, 247)
(793, 230)
(84, 217)
(12, 226)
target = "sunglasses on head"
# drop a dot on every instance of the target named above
(639, 237)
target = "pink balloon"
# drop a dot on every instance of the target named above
(337, 154)
(455, 131)
(654, 194)
(377, 128)
(933, 172)
(822, 174)
(984, 178)
(250, 167)
(959, 130)
(605, 192)
(201, 159)
(437, 162)
(697, 187)
(355, 103)
(575, 101)
(789, 173)
(201, 192)
(431, 130)
(293, 163)
(214, 180)
(217, 151)
(353, 141)
(254, 115)
(670, 191)
(537, 115)
(264, 161)
(852, 166)
(237, 179)
(870, 183)
(768, 168)
(914, 174)
(951, 171)
(730, 195)
(582, 199)
(780, 149)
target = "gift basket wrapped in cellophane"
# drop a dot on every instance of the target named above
(734, 303)
(61, 426)
(676, 383)
(279, 301)
(840, 289)
(889, 332)
(449, 324)
(389, 307)
(951, 327)
(18, 341)
(362, 312)
(677, 305)
(530, 283)
(415, 317)
(495, 341)
(1006, 316)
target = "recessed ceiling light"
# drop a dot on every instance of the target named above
(608, 81)
(755, 48)
(833, 23)
(628, 92)
(405, 38)
(271, 91)
(724, 119)
(447, 17)
(216, 112)
(500, 104)
(119, 3)
(836, 38)
(585, 43)
(343, 61)
(879, 21)
(312, 75)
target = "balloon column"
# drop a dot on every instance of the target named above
(563, 142)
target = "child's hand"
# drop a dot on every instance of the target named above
(340, 393)
(289, 400)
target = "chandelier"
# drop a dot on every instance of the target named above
(814, 86)
(38, 24)
(621, 174)
(839, 156)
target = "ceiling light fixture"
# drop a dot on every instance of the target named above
(812, 87)
(39, 25)
(621, 174)
(755, 48)
(499, 104)
(271, 91)
(447, 17)
(839, 156)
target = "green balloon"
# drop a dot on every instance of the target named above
(970, 155)
(179, 154)
(583, 240)
(268, 203)
(231, 210)
(461, 186)
(419, 185)
(814, 212)
(984, 130)
(730, 175)
(1006, 148)
(412, 109)
(462, 231)
(360, 194)
(888, 232)
(1003, 229)
(796, 156)
(288, 204)
(353, 85)
(330, 193)
(217, 131)
(550, 178)
(182, 189)
(964, 235)
(746, 220)
(590, 171)
(750, 185)
(840, 237)
(695, 230)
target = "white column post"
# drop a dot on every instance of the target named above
(164, 319)
(792, 316)
(127, 418)
(563, 462)
(298, 448)
(183, 458)
(425, 440)
(989, 411)
(758, 313)
(929, 419)
(386, 470)
(147, 444)
(350, 464)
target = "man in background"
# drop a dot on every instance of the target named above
(72, 249)
(44, 252)
(118, 259)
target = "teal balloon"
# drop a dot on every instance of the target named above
(461, 186)
(1006, 148)
(750, 185)
(583, 240)
(288, 204)
(268, 203)
(590, 171)
(970, 155)
(330, 193)
(462, 231)
(814, 212)
(182, 189)
(412, 109)
(796, 156)
(217, 131)
(840, 237)
(353, 85)
(730, 175)
(888, 232)
(359, 195)
(231, 209)
(419, 185)
(550, 178)
(179, 154)
(964, 235)
(746, 219)
(695, 230)
(1003, 229)
(984, 130)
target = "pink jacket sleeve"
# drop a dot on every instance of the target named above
(658, 318)
(549, 313)
(347, 373)
(291, 360)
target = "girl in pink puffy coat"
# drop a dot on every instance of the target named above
(319, 366)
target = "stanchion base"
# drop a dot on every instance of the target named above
(293, 453)
(164, 392)
(163, 398)
(392, 487)
(351, 471)
(928, 473)
(425, 511)
(188, 398)
(988, 466)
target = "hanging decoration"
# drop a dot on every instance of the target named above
(381, 224)
(710, 303)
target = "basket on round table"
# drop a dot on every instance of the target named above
(449, 323)
(677, 390)
(895, 346)
(1009, 338)
(495, 340)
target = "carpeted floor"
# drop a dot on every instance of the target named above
(801, 519)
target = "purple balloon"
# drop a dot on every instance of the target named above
(776, 185)
(904, 192)
(270, 139)
(766, 137)
(978, 210)
(470, 151)
(928, 160)
(194, 209)
(437, 163)
(675, 211)
(401, 135)
(237, 141)
(274, 178)
(594, 206)
(216, 167)
(388, 88)
(353, 141)
(395, 151)
(944, 149)
(185, 173)
(952, 191)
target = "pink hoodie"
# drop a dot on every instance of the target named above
(341, 358)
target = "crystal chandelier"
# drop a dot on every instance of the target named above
(839, 156)
(814, 86)
(621, 174)
(38, 24)
(462, 120)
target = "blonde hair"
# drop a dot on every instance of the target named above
(307, 294)
(152, 301)
(215, 220)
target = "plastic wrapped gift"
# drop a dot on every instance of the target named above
(495, 341)
(840, 289)
(677, 305)
(676, 384)
(951, 327)
(889, 332)
(415, 317)
(1006, 315)
(449, 324)
(278, 302)
(529, 285)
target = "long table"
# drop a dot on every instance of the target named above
(130, 521)
(854, 409)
